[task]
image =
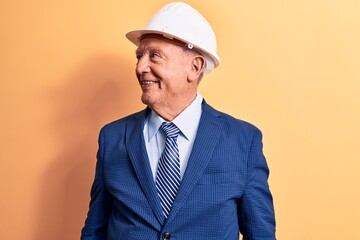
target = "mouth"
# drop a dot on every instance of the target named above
(148, 82)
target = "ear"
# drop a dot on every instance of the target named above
(197, 66)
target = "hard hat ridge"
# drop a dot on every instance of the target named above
(180, 21)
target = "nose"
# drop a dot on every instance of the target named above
(142, 66)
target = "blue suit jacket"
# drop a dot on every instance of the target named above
(224, 189)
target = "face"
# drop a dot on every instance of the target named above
(163, 72)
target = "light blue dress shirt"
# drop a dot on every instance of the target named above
(187, 121)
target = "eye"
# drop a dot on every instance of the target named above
(138, 56)
(154, 55)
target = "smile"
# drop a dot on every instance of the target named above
(148, 82)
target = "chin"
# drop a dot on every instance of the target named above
(145, 100)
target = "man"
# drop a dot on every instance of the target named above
(179, 169)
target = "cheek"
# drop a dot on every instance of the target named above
(177, 88)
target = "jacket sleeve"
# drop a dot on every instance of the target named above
(100, 204)
(256, 210)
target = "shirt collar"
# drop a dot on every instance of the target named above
(187, 121)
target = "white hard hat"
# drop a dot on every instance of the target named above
(180, 21)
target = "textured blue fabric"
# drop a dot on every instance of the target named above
(224, 189)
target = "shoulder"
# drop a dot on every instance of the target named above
(119, 125)
(231, 124)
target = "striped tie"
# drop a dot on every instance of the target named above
(168, 171)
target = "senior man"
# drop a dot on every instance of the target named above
(179, 169)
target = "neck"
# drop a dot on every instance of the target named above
(170, 111)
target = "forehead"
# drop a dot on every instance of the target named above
(159, 43)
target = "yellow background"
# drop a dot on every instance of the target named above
(290, 67)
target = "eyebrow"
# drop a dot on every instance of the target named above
(149, 48)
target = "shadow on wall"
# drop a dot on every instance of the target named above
(101, 90)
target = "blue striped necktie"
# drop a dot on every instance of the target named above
(168, 171)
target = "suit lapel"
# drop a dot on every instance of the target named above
(139, 158)
(204, 145)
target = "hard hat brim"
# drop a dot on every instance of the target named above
(135, 38)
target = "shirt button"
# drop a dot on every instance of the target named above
(166, 236)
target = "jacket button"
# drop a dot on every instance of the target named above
(166, 236)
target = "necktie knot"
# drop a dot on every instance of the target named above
(170, 129)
